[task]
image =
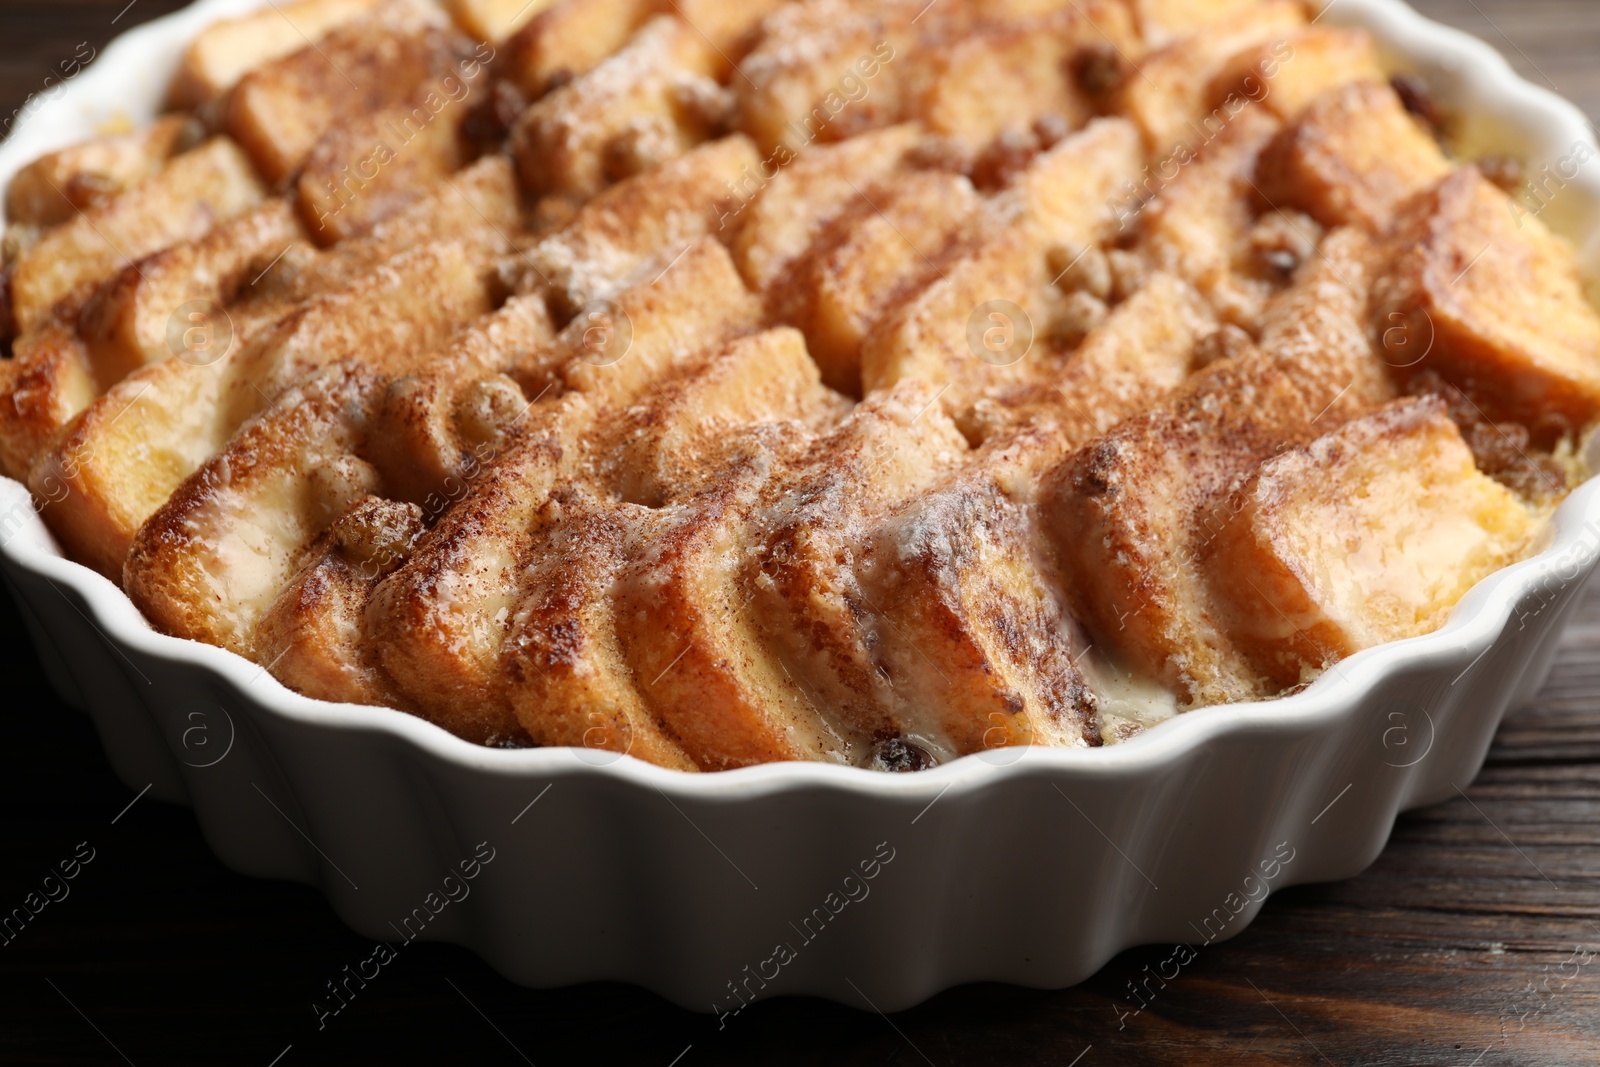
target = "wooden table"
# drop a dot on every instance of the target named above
(1465, 944)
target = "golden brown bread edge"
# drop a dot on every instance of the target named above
(1129, 512)
(992, 607)
(108, 473)
(1296, 598)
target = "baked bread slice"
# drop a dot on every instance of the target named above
(226, 51)
(56, 186)
(115, 466)
(959, 589)
(1492, 302)
(572, 678)
(1367, 534)
(445, 653)
(712, 382)
(1131, 511)
(179, 202)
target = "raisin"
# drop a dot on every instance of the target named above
(898, 755)
(1098, 70)
(1419, 100)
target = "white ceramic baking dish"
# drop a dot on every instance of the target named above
(1025, 866)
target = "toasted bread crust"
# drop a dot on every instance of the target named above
(1351, 158)
(314, 633)
(44, 384)
(571, 37)
(247, 501)
(180, 202)
(1495, 305)
(1063, 198)
(280, 110)
(713, 382)
(1367, 534)
(571, 142)
(570, 682)
(1129, 512)
(54, 187)
(228, 50)
(445, 654)
(128, 323)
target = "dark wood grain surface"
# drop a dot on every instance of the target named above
(1473, 940)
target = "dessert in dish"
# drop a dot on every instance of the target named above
(871, 382)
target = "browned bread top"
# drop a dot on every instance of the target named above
(726, 381)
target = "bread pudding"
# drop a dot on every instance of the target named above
(864, 381)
